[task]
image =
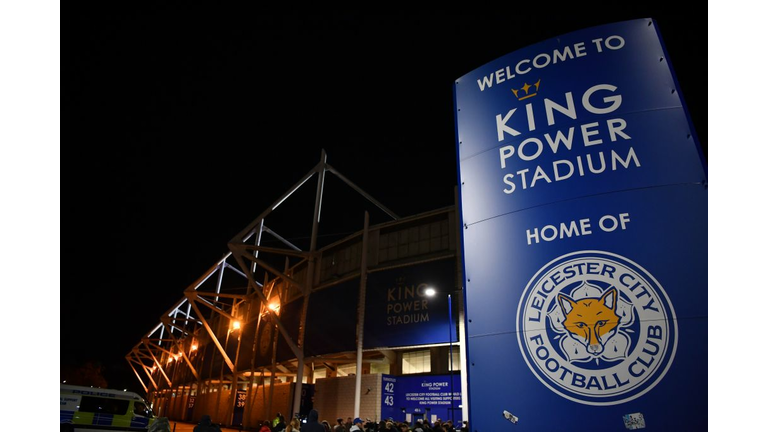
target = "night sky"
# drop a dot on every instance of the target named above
(189, 123)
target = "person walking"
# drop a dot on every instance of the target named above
(312, 425)
(326, 425)
(161, 424)
(419, 427)
(357, 425)
(280, 425)
(339, 425)
(205, 425)
(293, 426)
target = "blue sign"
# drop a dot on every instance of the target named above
(239, 409)
(390, 407)
(398, 311)
(332, 319)
(421, 397)
(584, 206)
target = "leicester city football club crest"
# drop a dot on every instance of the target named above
(596, 328)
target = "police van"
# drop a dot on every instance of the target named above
(95, 409)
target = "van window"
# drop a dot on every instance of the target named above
(103, 405)
(141, 410)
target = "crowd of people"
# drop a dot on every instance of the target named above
(388, 425)
(313, 424)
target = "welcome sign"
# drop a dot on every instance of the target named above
(583, 199)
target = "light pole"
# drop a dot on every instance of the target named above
(430, 292)
(450, 351)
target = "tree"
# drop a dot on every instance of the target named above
(88, 374)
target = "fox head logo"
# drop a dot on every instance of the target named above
(591, 321)
(602, 342)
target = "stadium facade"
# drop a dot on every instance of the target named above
(369, 326)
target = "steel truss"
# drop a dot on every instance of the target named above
(169, 357)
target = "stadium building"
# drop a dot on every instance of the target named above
(370, 326)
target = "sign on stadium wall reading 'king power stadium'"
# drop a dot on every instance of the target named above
(584, 206)
(398, 312)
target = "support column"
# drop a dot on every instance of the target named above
(275, 335)
(361, 317)
(310, 282)
(460, 303)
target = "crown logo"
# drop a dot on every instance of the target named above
(526, 88)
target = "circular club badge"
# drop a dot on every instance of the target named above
(596, 328)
